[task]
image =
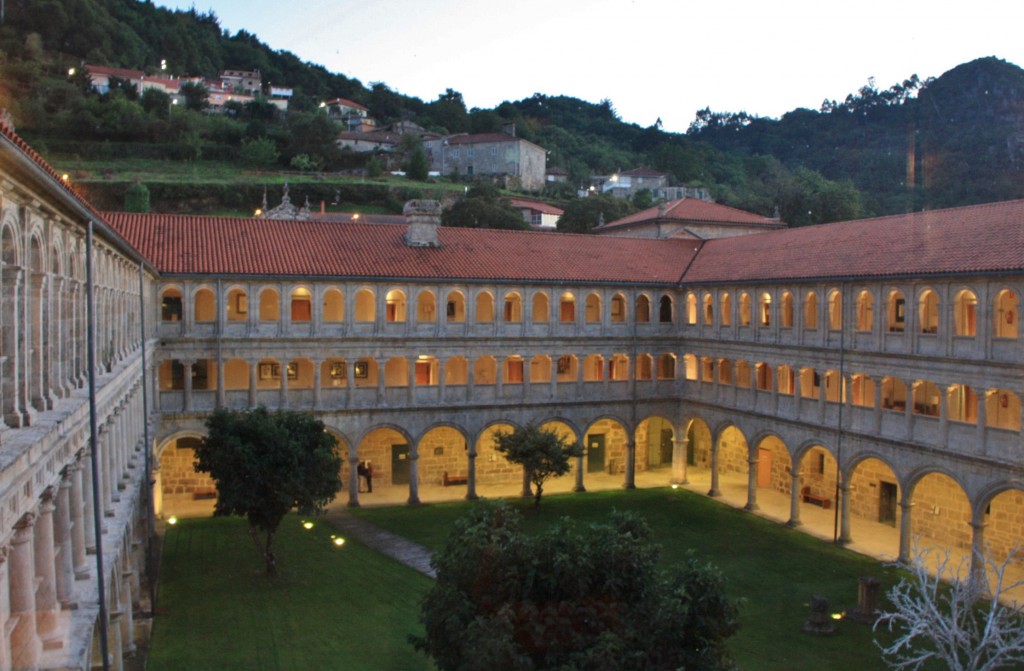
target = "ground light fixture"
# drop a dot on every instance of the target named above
(172, 520)
(307, 525)
(337, 540)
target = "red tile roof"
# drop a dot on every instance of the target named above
(694, 210)
(537, 206)
(976, 239)
(195, 245)
(344, 102)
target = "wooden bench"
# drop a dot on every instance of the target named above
(816, 499)
(200, 494)
(447, 480)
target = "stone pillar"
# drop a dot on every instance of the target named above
(5, 609)
(906, 508)
(414, 474)
(714, 491)
(679, 475)
(943, 416)
(254, 366)
(127, 615)
(62, 539)
(442, 373)
(45, 570)
(978, 576)
(794, 498)
(25, 644)
(844, 514)
(282, 402)
(581, 462)
(89, 501)
(878, 407)
(499, 376)
(381, 370)
(752, 484)
(982, 421)
(221, 391)
(411, 381)
(78, 525)
(317, 372)
(630, 482)
(353, 477)
(471, 474)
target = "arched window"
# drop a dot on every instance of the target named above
(763, 376)
(270, 310)
(540, 308)
(366, 311)
(592, 309)
(643, 309)
(743, 374)
(835, 311)
(238, 305)
(725, 309)
(834, 386)
(667, 367)
(302, 306)
(865, 311)
(513, 311)
(707, 369)
(396, 372)
(540, 369)
(787, 383)
(455, 307)
(690, 364)
(896, 312)
(618, 309)
(170, 305)
(786, 310)
(1006, 314)
(744, 309)
(593, 368)
(426, 306)
(962, 404)
(456, 371)
(810, 383)
(965, 319)
(1002, 409)
(206, 306)
(665, 310)
(514, 370)
(644, 367)
(691, 309)
(863, 391)
(928, 311)
(567, 368)
(485, 370)
(709, 309)
(926, 398)
(427, 371)
(811, 311)
(894, 394)
(334, 306)
(484, 307)
(618, 367)
(764, 312)
(567, 308)
(724, 371)
(395, 301)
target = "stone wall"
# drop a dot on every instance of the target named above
(177, 475)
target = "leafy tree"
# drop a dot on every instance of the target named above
(573, 597)
(265, 464)
(261, 151)
(136, 198)
(541, 452)
(583, 214)
(961, 624)
(416, 166)
(374, 168)
(643, 199)
(156, 102)
(301, 162)
(197, 98)
(483, 207)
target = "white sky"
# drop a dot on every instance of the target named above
(651, 58)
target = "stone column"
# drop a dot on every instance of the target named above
(381, 374)
(581, 462)
(752, 484)
(714, 491)
(45, 570)
(844, 514)
(317, 393)
(943, 416)
(414, 474)
(254, 365)
(794, 498)
(499, 376)
(630, 482)
(353, 477)
(187, 365)
(104, 472)
(221, 391)
(411, 382)
(679, 475)
(62, 539)
(442, 373)
(878, 407)
(906, 507)
(471, 474)
(25, 644)
(978, 576)
(982, 421)
(89, 501)
(282, 402)
(127, 615)
(5, 609)
(78, 526)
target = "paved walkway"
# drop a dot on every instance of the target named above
(411, 554)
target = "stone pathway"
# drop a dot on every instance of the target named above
(413, 555)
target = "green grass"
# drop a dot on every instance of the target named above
(330, 608)
(774, 569)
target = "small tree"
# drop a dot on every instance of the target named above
(417, 167)
(261, 151)
(196, 96)
(265, 464)
(541, 452)
(136, 198)
(572, 597)
(960, 624)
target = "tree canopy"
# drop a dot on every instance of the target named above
(572, 597)
(542, 453)
(483, 207)
(266, 464)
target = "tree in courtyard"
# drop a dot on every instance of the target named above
(953, 616)
(265, 464)
(572, 597)
(541, 452)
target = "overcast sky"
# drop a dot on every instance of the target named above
(651, 58)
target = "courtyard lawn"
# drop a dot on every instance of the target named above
(329, 607)
(774, 569)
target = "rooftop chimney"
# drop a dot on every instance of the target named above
(509, 129)
(423, 218)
